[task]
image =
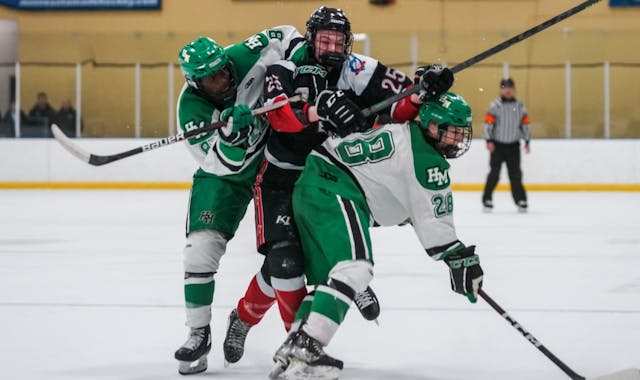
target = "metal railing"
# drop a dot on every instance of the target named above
(365, 46)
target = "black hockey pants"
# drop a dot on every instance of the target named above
(509, 153)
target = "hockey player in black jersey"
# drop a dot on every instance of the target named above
(335, 84)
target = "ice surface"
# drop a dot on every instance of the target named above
(91, 288)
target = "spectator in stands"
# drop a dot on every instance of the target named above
(42, 111)
(66, 118)
(8, 122)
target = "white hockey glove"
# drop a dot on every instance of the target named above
(465, 272)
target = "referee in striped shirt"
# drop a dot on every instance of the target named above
(505, 123)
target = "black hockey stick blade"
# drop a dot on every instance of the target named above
(485, 54)
(626, 374)
(98, 160)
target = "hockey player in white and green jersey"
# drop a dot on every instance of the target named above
(387, 175)
(221, 84)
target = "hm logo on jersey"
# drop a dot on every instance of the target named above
(199, 138)
(254, 42)
(206, 217)
(437, 177)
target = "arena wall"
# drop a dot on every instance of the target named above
(554, 164)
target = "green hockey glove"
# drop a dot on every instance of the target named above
(465, 272)
(239, 125)
(238, 116)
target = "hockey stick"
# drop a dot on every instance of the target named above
(626, 374)
(473, 60)
(97, 160)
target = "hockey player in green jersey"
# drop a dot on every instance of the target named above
(386, 175)
(338, 83)
(222, 84)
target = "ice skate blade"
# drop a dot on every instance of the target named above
(299, 369)
(487, 210)
(190, 368)
(625, 374)
(277, 369)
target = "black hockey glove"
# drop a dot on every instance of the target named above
(338, 110)
(465, 272)
(434, 80)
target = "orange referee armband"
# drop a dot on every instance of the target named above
(488, 118)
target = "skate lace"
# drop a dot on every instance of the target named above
(316, 348)
(195, 339)
(238, 332)
(306, 348)
(363, 299)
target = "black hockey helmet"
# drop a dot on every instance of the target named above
(325, 18)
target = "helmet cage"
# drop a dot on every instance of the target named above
(461, 134)
(225, 96)
(452, 115)
(325, 18)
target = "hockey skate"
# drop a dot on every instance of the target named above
(522, 206)
(193, 353)
(237, 331)
(368, 304)
(307, 360)
(281, 357)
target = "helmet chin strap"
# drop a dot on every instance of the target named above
(193, 83)
(332, 59)
(443, 148)
(226, 97)
(446, 150)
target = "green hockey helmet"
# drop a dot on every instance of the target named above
(203, 57)
(452, 115)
